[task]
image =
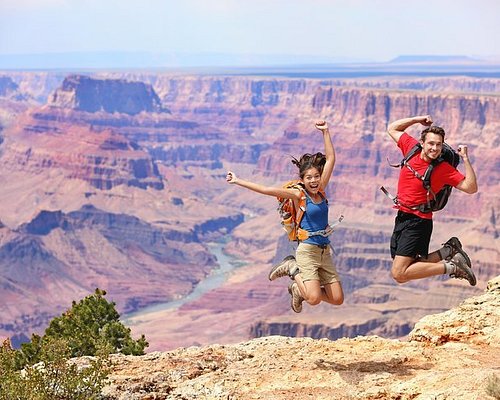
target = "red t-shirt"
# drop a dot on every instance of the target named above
(411, 191)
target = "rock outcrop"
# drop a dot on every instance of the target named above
(7, 86)
(89, 131)
(451, 355)
(84, 93)
(50, 140)
(266, 106)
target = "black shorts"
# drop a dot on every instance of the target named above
(411, 236)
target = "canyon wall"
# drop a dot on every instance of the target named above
(150, 151)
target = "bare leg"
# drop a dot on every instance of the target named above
(310, 290)
(333, 293)
(434, 257)
(313, 293)
(406, 269)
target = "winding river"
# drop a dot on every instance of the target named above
(218, 276)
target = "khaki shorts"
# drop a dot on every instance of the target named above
(316, 263)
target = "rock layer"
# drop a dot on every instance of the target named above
(167, 170)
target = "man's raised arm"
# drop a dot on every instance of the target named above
(397, 128)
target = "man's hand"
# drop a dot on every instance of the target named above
(469, 184)
(462, 150)
(231, 177)
(397, 128)
(321, 125)
(425, 120)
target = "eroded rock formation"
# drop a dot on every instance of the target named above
(451, 355)
(84, 93)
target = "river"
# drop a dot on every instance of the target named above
(217, 277)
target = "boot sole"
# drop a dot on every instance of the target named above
(471, 277)
(273, 269)
(290, 290)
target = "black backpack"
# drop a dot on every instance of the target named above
(435, 201)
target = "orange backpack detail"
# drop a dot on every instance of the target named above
(290, 215)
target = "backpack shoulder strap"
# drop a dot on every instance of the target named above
(301, 209)
(426, 178)
(414, 150)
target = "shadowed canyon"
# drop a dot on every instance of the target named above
(117, 181)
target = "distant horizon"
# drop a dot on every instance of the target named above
(178, 60)
(239, 32)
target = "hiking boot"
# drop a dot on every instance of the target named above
(284, 268)
(297, 299)
(462, 270)
(455, 247)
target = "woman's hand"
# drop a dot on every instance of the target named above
(321, 125)
(231, 177)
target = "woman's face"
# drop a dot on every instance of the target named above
(311, 180)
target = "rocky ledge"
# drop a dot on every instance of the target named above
(451, 355)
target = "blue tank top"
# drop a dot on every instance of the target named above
(315, 219)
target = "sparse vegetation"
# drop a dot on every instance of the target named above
(91, 324)
(43, 369)
(54, 377)
(493, 387)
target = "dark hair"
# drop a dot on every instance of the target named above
(308, 161)
(432, 129)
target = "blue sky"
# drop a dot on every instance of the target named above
(375, 30)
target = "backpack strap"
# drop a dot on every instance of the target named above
(423, 208)
(328, 230)
(301, 209)
(414, 150)
(425, 178)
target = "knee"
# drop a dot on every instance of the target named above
(399, 270)
(399, 276)
(313, 300)
(337, 301)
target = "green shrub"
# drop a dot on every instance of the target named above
(54, 377)
(91, 324)
(45, 368)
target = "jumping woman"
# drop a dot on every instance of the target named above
(313, 273)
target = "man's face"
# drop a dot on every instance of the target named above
(432, 146)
